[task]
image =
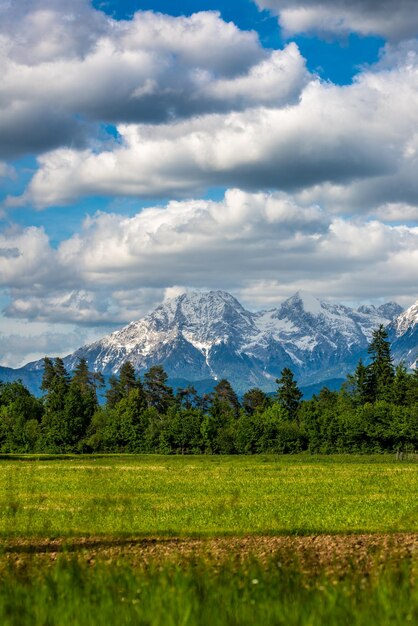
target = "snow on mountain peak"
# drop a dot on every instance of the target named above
(407, 320)
(309, 303)
(198, 335)
(198, 309)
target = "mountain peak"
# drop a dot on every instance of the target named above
(407, 320)
(192, 305)
(201, 297)
(199, 335)
(307, 301)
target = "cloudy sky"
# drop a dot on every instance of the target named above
(258, 146)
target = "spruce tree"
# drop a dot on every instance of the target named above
(401, 385)
(48, 376)
(254, 400)
(288, 393)
(127, 378)
(82, 376)
(226, 396)
(380, 371)
(55, 383)
(113, 394)
(362, 390)
(158, 394)
(187, 397)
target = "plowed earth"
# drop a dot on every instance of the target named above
(332, 554)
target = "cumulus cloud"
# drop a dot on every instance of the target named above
(6, 171)
(10, 253)
(68, 68)
(259, 245)
(388, 18)
(26, 259)
(79, 306)
(342, 145)
(18, 349)
(37, 31)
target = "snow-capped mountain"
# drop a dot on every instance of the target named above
(403, 332)
(197, 336)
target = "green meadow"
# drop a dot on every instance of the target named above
(207, 496)
(196, 541)
(198, 593)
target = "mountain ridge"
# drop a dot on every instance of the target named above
(210, 335)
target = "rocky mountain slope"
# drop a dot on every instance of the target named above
(403, 332)
(210, 335)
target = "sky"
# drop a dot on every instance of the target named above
(149, 147)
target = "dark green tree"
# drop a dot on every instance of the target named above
(226, 396)
(48, 376)
(401, 384)
(359, 385)
(20, 415)
(412, 396)
(255, 400)
(121, 387)
(158, 394)
(127, 379)
(288, 393)
(187, 397)
(113, 393)
(55, 382)
(381, 370)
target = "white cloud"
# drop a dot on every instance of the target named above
(66, 69)
(6, 171)
(260, 246)
(348, 147)
(26, 258)
(27, 342)
(394, 19)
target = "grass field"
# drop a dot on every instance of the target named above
(164, 541)
(197, 593)
(156, 495)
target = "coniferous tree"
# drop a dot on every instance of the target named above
(127, 379)
(288, 393)
(113, 394)
(381, 370)
(360, 383)
(55, 382)
(412, 396)
(254, 400)
(158, 394)
(82, 377)
(48, 376)
(187, 397)
(226, 396)
(401, 385)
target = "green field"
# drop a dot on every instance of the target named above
(199, 594)
(159, 495)
(196, 541)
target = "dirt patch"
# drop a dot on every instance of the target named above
(338, 554)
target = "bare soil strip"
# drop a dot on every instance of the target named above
(333, 553)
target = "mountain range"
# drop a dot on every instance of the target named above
(202, 337)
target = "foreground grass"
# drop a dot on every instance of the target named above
(207, 496)
(198, 593)
(80, 542)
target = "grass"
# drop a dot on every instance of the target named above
(198, 541)
(206, 496)
(199, 594)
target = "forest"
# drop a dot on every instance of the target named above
(376, 410)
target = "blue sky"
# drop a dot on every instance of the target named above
(147, 147)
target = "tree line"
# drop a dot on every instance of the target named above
(376, 410)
